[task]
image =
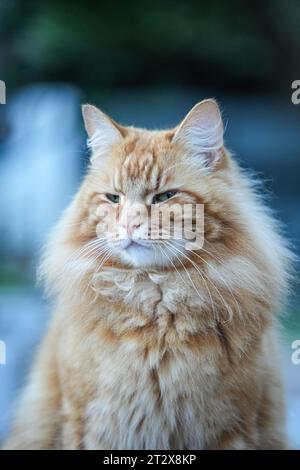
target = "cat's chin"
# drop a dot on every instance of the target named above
(141, 256)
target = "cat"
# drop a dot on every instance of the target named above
(154, 345)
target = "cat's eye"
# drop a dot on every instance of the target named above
(162, 197)
(115, 198)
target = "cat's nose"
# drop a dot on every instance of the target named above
(131, 227)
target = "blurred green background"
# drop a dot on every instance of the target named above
(145, 63)
(232, 45)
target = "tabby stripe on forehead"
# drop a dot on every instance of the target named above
(158, 180)
(155, 166)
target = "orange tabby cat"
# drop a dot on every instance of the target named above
(153, 345)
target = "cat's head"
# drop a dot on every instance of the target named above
(137, 211)
(143, 199)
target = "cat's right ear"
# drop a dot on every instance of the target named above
(102, 131)
(201, 133)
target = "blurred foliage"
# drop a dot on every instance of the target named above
(231, 44)
(15, 274)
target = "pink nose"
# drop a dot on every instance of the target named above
(131, 227)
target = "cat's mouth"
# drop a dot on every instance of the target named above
(138, 252)
(136, 244)
(133, 244)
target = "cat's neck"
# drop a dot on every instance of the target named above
(145, 290)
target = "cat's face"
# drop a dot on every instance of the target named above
(145, 190)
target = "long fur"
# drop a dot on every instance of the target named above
(173, 355)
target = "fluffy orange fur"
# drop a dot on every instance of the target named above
(157, 347)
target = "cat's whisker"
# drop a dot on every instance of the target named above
(218, 273)
(171, 262)
(106, 256)
(89, 252)
(203, 276)
(98, 253)
(223, 280)
(171, 246)
(188, 274)
(83, 255)
(90, 243)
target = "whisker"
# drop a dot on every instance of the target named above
(165, 254)
(202, 275)
(221, 277)
(188, 274)
(219, 274)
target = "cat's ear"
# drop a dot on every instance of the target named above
(101, 129)
(201, 133)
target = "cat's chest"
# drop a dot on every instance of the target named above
(151, 393)
(155, 370)
(148, 400)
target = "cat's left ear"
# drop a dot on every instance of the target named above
(201, 133)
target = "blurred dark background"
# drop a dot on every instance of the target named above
(145, 63)
(235, 46)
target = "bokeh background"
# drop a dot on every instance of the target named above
(145, 63)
